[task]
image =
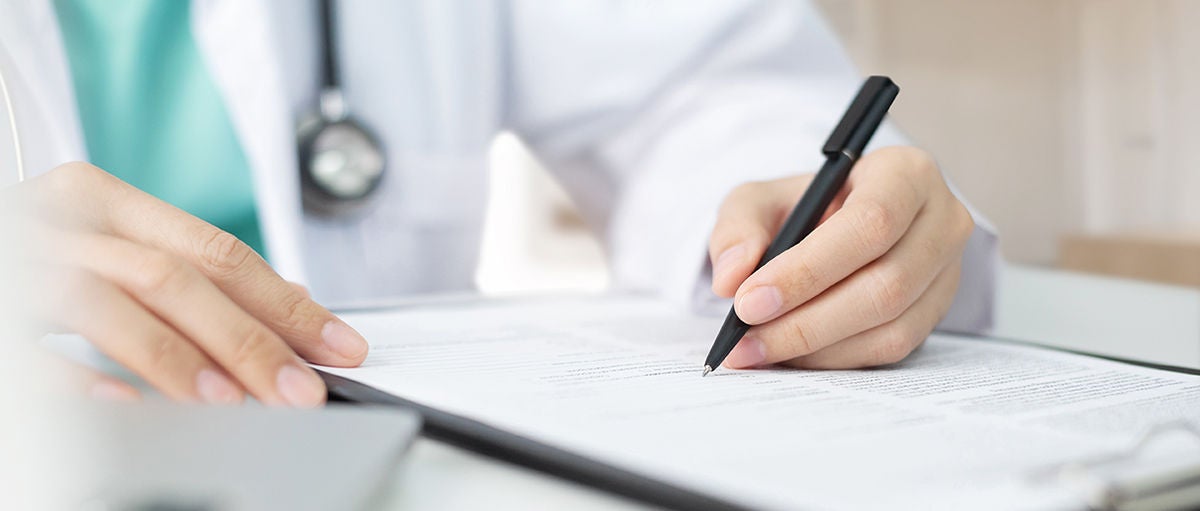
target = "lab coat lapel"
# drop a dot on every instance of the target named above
(234, 38)
(30, 34)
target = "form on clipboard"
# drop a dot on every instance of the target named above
(607, 391)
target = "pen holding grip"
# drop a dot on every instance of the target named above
(802, 221)
(811, 208)
(843, 148)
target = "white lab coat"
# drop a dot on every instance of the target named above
(647, 112)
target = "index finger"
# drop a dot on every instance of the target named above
(314, 332)
(881, 204)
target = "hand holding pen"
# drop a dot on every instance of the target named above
(869, 283)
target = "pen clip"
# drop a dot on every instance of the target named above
(862, 118)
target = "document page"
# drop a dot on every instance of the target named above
(961, 423)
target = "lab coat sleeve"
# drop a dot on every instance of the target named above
(649, 113)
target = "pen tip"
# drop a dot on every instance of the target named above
(707, 369)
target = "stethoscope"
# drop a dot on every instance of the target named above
(341, 161)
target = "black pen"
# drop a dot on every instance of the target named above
(842, 149)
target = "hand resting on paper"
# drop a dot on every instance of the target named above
(186, 306)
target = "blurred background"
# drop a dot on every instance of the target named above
(1068, 123)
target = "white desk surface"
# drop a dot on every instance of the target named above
(434, 475)
(1114, 317)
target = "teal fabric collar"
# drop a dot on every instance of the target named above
(151, 113)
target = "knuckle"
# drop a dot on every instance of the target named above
(895, 346)
(164, 351)
(917, 163)
(252, 348)
(223, 254)
(931, 250)
(298, 314)
(68, 177)
(923, 163)
(157, 274)
(734, 224)
(748, 189)
(799, 338)
(878, 225)
(72, 279)
(62, 295)
(740, 194)
(75, 170)
(724, 235)
(966, 223)
(889, 296)
(801, 276)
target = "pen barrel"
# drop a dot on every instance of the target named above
(808, 212)
(731, 332)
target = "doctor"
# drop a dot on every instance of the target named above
(654, 116)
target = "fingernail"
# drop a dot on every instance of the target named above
(301, 388)
(759, 304)
(749, 352)
(726, 261)
(110, 391)
(343, 340)
(217, 389)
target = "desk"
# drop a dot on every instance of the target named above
(1116, 317)
(435, 475)
(1119, 318)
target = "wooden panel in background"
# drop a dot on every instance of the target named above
(1172, 258)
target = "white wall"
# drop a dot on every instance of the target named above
(1139, 74)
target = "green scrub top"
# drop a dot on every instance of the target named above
(151, 113)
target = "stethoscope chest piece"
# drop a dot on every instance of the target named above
(341, 163)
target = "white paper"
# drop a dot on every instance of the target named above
(962, 423)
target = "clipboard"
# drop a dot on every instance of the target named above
(1177, 487)
(1119, 482)
(519, 450)
(529, 452)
